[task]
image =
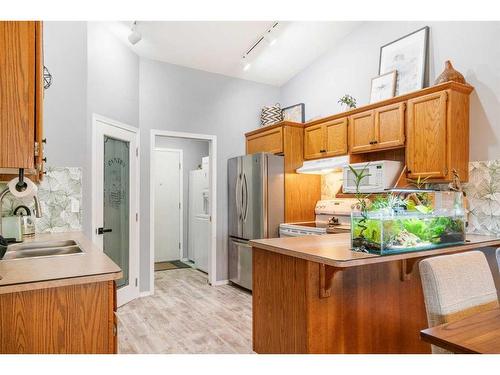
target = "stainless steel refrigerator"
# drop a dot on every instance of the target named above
(256, 208)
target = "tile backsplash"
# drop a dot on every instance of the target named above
(330, 184)
(60, 195)
(483, 195)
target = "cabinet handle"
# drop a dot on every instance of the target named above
(373, 142)
(44, 140)
(322, 151)
(44, 159)
(408, 171)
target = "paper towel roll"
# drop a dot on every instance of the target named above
(30, 191)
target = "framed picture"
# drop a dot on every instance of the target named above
(383, 87)
(408, 56)
(295, 113)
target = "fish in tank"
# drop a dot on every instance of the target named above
(408, 220)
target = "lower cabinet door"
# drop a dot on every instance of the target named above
(240, 263)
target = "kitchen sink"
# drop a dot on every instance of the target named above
(42, 249)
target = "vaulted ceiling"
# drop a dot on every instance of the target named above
(217, 46)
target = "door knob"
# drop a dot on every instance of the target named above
(103, 230)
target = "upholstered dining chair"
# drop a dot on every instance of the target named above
(455, 287)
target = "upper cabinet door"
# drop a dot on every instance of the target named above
(426, 153)
(17, 94)
(362, 133)
(336, 137)
(267, 141)
(314, 142)
(390, 126)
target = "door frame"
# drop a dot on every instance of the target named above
(134, 243)
(181, 193)
(212, 152)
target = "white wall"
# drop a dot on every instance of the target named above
(192, 152)
(472, 47)
(182, 99)
(112, 91)
(65, 102)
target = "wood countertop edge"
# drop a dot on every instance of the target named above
(56, 283)
(373, 258)
(274, 126)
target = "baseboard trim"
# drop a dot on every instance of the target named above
(220, 282)
(146, 293)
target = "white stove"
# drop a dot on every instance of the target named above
(332, 216)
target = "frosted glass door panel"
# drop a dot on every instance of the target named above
(116, 204)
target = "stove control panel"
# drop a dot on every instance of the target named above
(334, 206)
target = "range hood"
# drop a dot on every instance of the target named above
(324, 166)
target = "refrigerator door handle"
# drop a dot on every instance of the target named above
(241, 243)
(237, 197)
(245, 185)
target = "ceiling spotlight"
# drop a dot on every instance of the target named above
(135, 36)
(245, 63)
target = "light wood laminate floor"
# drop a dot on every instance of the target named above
(186, 315)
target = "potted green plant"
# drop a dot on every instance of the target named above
(347, 102)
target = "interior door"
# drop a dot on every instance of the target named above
(115, 170)
(168, 204)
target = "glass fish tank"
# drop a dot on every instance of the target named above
(408, 220)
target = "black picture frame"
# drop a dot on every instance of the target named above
(425, 67)
(302, 109)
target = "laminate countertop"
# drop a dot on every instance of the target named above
(335, 249)
(53, 271)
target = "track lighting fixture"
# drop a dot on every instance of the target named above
(135, 36)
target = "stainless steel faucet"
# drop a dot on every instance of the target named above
(38, 208)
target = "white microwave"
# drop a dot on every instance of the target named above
(380, 175)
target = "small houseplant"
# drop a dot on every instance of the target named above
(347, 102)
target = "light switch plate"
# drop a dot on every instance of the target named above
(75, 205)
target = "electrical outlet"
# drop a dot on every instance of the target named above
(75, 205)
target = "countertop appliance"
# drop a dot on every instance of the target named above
(381, 175)
(332, 216)
(256, 208)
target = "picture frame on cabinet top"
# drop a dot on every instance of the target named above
(409, 56)
(383, 87)
(295, 113)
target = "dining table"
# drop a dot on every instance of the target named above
(476, 334)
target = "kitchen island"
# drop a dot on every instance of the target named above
(314, 295)
(58, 304)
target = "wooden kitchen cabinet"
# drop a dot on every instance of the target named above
(336, 137)
(426, 154)
(326, 140)
(314, 142)
(362, 132)
(266, 141)
(438, 135)
(390, 126)
(379, 129)
(70, 319)
(21, 88)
